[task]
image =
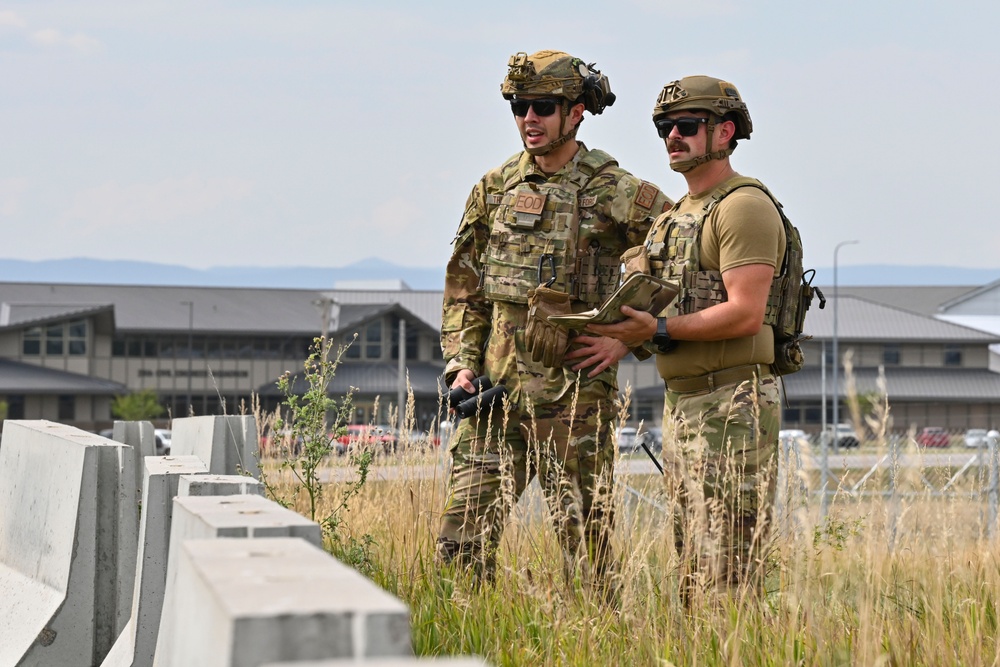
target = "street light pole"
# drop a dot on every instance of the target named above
(190, 305)
(836, 349)
(836, 385)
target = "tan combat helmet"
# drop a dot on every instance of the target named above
(704, 93)
(557, 74)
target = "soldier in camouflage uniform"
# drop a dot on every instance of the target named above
(541, 235)
(723, 242)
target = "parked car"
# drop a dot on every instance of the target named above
(933, 436)
(366, 435)
(626, 440)
(791, 435)
(975, 437)
(163, 437)
(843, 436)
(652, 437)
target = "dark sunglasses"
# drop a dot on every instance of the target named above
(543, 107)
(688, 127)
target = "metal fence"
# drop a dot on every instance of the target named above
(976, 475)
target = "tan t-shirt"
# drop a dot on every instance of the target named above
(745, 228)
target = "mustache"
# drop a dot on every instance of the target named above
(674, 145)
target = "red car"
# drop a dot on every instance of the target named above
(933, 436)
(366, 435)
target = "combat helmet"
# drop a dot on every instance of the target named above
(704, 93)
(557, 74)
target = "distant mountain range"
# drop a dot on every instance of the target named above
(379, 272)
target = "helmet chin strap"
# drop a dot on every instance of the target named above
(687, 165)
(563, 138)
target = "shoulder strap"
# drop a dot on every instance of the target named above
(745, 181)
(590, 164)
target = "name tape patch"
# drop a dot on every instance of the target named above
(646, 195)
(531, 203)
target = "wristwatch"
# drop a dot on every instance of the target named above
(661, 339)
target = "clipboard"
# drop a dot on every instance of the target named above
(640, 291)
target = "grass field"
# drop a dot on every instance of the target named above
(906, 580)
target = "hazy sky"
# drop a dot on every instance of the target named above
(319, 133)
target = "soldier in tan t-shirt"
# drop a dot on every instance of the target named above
(723, 242)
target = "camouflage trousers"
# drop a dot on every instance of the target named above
(721, 468)
(569, 447)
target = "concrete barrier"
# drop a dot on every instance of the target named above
(250, 516)
(210, 517)
(141, 437)
(243, 603)
(135, 644)
(67, 544)
(219, 485)
(227, 444)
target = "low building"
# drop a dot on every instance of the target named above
(66, 350)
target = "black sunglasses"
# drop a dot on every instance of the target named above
(543, 107)
(687, 126)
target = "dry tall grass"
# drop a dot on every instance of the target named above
(883, 580)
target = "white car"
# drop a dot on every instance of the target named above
(162, 436)
(975, 437)
(791, 435)
(842, 436)
(626, 439)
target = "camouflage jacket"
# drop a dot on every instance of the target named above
(615, 213)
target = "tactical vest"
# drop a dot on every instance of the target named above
(534, 238)
(674, 246)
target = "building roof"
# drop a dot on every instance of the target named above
(21, 314)
(922, 299)
(983, 300)
(164, 309)
(863, 320)
(425, 304)
(946, 385)
(18, 378)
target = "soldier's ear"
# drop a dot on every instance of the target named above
(576, 113)
(726, 130)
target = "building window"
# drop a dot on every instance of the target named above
(368, 344)
(76, 338)
(891, 354)
(791, 415)
(67, 407)
(952, 355)
(813, 414)
(373, 340)
(31, 345)
(15, 406)
(56, 339)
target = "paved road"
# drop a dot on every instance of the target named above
(641, 465)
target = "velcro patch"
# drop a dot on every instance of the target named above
(646, 195)
(588, 201)
(531, 203)
(494, 200)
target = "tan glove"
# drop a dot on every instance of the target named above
(546, 341)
